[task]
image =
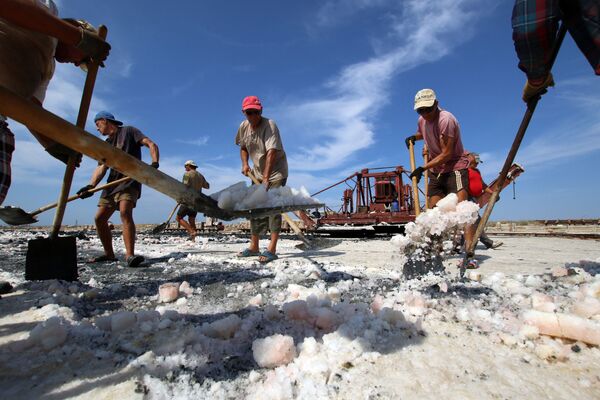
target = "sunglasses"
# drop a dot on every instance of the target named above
(252, 112)
(425, 110)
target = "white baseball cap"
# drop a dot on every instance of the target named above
(424, 98)
(190, 163)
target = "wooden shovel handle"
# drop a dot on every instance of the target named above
(77, 196)
(415, 187)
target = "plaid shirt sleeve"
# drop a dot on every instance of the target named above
(7, 146)
(535, 24)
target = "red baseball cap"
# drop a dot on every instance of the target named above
(251, 102)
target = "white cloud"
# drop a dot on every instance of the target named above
(201, 141)
(342, 120)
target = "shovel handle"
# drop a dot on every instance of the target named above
(290, 221)
(415, 187)
(77, 196)
(426, 177)
(172, 212)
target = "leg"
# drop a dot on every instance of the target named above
(469, 229)
(182, 222)
(101, 220)
(7, 146)
(126, 210)
(433, 200)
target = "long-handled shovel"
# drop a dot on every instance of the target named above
(56, 257)
(426, 178)
(290, 221)
(161, 227)
(531, 105)
(18, 216)
(415, 187)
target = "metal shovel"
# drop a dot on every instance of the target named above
(18, 216)
(161, 227)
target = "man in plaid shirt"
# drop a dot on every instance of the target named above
(535, 24)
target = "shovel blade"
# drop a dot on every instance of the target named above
(51, 259)
(159, 228)
(16, 216)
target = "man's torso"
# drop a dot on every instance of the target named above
(258, 141)
(127, 138)
(445, 124)
(194, 179)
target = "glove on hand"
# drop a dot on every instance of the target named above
(409, 140)
(84, 192)
(532, 90)
(90, 44)
(417, 173)
(154, 164)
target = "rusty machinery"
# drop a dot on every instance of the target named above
(374, 202)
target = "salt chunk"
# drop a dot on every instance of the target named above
(164, 324)
(272, 312)
(334, 293)
(264, 285)
(147, 315)
(326, 319)
(122, 321)
(507, 339)
(448, 203)
(50, 333)
(273, 351)
(529, 332)
(391, 316)
(558, 272)
(474, 276)
(377, 304)
(253, 376)
(443, 286)
(542, 302)
(173, 315)
(256, 301)
(182, 301)
(564, 325)
(296, 309)
(186, 288)
(533, 281)
(587, 308)
(168, 292)
(103, 323)
(224, 328)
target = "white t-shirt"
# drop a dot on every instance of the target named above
(27, 57)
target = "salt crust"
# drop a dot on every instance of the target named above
(240, 196)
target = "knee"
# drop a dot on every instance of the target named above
(126, 216)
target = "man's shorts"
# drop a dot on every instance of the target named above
(185, 211)
(448, 182)
(259, 226)
(129, 194)
(7, 146)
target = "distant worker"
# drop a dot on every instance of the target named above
(196, 181)
(476, 188)
(31, 38)
(447, 161)
(535, 26)
(259, 139)
(124, 196)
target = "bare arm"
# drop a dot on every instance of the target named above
(447, 144)
(98, 174)
(154, 153)
(244, 157)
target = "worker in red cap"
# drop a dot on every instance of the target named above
(259, 140)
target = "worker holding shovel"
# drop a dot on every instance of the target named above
(447, 161)
(196, 181)
(259, 139)
(535, 27)
(31, 38)
(124, 196)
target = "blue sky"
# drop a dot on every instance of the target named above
(339, 78)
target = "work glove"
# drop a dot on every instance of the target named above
(417, 173)
(84, 192)
(411, 139)
(90, 44)
(62, 153)
(532, 90)
(154, 164)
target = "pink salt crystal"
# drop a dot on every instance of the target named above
(564, 325)
(377, 304)
(256, 301)
(168, 292)
(326, 319)
(558, 272)
(443, 287)
(186, 288)
(587, 308)
(273, 351)
(296, 309)
(542, 302)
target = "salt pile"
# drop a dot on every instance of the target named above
(427, 240)
(240, 196)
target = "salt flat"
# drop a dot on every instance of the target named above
(358, 329)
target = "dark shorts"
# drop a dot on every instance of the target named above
(185, 211)
(448, 182)
(259, 226)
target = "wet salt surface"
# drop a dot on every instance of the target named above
(343, 322)
(242, 196)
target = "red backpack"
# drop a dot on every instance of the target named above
(475, 182)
